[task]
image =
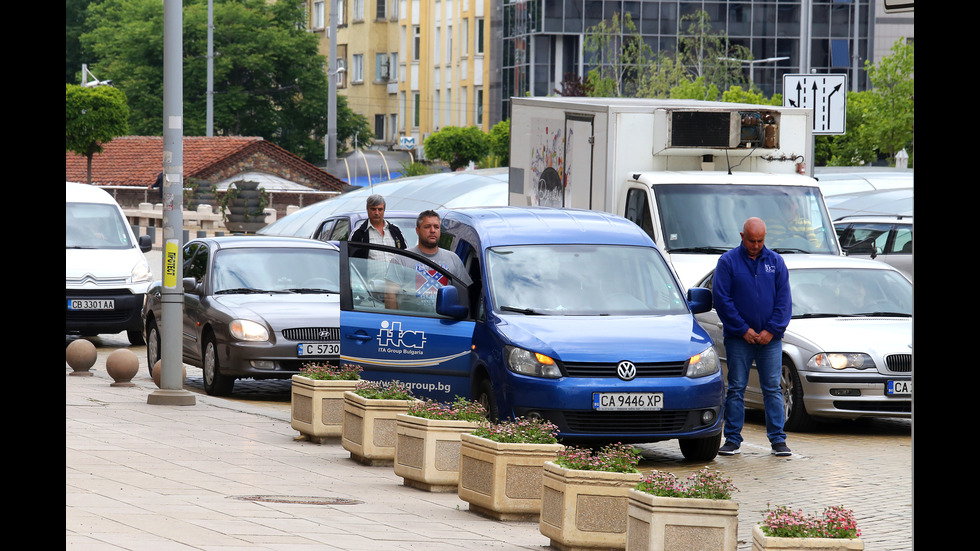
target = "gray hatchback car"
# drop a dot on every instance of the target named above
(847, 352)
(254, 307)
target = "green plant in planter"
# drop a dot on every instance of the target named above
(384, 390)
(835, 522)
(703, 484)
(460, 409)
(519, 431)
(328, 372)
(233, 196)
(616, 458)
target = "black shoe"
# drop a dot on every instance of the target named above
(780, 449)
(728, 448)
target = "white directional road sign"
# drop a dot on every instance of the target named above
(826, 94)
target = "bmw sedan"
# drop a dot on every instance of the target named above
(847, 352)
(254, 307)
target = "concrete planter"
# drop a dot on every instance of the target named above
(585, 509)
(369, 428)
(680, 524)
(761, 542)
(317, 407)
(427, 451)
(502, 480)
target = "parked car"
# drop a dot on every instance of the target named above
(106, 273)
(254, 306)
(339, 226)
(884, 238)
(847, 352)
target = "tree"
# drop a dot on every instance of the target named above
(457, 146)
(93, 117)
(500, 142)
(619, 55)
(269, 79)
(708, 54)
(892, 108)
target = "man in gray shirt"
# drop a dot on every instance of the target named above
(427, 281)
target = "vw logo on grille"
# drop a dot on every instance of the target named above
(626, 370)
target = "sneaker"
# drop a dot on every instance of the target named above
(780, 449)
(729, 448)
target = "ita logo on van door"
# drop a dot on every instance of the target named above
(392, 338)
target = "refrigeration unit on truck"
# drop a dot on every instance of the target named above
(688, 172)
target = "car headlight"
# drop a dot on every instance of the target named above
(840, 360)
(248, 330)
(141, 272)
(530, 363)
(703, 364)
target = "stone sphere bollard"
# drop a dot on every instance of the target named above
(80, 356)
(158, 370)
(122, 365)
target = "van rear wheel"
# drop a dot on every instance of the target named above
(700, 449)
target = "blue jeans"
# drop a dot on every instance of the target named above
(768, 361)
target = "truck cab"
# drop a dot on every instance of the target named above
(571, 316)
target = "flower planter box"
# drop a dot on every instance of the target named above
(317, 407)
(585, 509)
(761, 542)
(680, 523)
(369, 428)
(427, 451)
(502, 480)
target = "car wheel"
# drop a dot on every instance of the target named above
(215, 383)
(700, 449)
(135, 336)
(485, 396)
(797, 419)
(152, 344)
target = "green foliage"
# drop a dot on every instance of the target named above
(457, 146)
(620, 55)
(736, 94)
(460, 409)
(616, 458)
(696, 89)
(93, 117)
(328, 372)
(416, 168)
(500, 142)
(521, 431)
(269, 78)
(384, 390)
(703, 484)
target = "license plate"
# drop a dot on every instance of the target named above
(91, 304)
(318, 349)
(627, 401)
(899, 387)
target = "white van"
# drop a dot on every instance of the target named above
(106, 273)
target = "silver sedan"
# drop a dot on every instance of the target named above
(847, 352)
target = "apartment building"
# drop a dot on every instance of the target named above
(410, 66)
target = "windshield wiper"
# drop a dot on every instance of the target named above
(823, 315)
(247, 291)
(527, 311)
(311, 290)
(783, 250)
(885, 314)
(701, 250)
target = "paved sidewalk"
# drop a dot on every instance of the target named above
(226, 474)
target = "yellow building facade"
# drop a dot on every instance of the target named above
(410, 66)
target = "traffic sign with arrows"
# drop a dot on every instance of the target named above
(825, 94)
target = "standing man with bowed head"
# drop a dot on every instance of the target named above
(378, 230)
(751, 295)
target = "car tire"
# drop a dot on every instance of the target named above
(152, 344)
(700, 449)
(797, 419)
(135, 336)
(486, 398)
(215, 384)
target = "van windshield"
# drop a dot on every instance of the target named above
(95, 226)
(582, 280)
(702, 218)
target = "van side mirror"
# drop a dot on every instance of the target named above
(145, 243)
(447, 303)
(699, 299)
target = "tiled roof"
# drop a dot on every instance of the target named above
(137, 160)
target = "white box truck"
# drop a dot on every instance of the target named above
(688, 172)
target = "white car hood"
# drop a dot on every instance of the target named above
(690, 268)
(878, 336)
(89, 267)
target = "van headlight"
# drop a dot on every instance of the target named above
(530, 363)
(248, 330)
(141, 272)
(703, 364)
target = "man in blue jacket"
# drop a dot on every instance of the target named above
(751, 295)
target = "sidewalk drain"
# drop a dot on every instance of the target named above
(305, 500)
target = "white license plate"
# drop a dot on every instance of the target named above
(91, 304)
(899, 388)
(318, 349)
(627, 401)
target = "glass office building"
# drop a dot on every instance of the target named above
(542, 40)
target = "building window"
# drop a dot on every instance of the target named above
(382, 70)
(380, 11)
(415, 106)
(478, 112)
(319, 15)
(393, 67)
(416, 42)
(358, 10)
(479, 35)
(357, 68)
(464, 38)
(379, 127)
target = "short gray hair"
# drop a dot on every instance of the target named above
(375, 200)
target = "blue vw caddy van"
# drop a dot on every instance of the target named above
(572, 316)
